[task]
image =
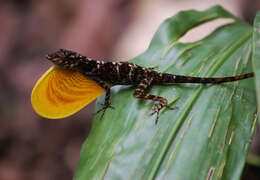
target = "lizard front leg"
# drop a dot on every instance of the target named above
(140, 93)
(107, 97)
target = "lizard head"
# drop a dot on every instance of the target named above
(65, 58)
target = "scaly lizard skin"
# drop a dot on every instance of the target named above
(125, 73)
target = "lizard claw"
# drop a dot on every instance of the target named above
(103, 109)
(156, 110)
(105, 106)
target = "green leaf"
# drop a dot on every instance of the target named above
(208, 134)
(256, 55)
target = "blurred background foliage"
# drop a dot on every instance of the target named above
(35, 148)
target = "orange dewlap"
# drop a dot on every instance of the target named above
(60, 93)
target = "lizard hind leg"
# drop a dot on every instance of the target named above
(157, 107)
(140, 93)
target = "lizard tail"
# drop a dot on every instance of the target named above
(169, 78)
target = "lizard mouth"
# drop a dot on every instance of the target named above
(53, 58)
(48, 56)
(56, 57)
